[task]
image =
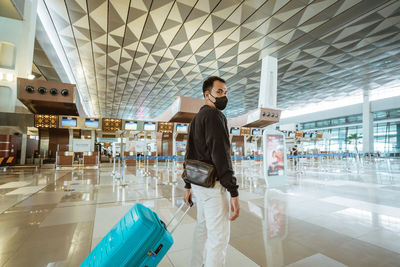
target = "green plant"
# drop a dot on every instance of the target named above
(353, 138)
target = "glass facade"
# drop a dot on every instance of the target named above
(386, 133)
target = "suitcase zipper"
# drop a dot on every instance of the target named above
(158, 236)
(150, 252)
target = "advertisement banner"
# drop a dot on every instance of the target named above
(275, 154)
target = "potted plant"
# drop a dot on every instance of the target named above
(353, 138)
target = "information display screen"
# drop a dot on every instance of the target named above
(149, 126)
(68, 122)
(235, 130)
(92, 123)
(256, 132)
(275, 154)
(313, 135)
(131, 125)
(307, 135)
(181, 128)
(292, 134)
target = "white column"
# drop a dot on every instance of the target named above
(174, 144)
(368, 129)
(268, 83)
(21, 35)
(93, 138)
(25, 53)
(122, 149)
(71, 139)
(23, 149)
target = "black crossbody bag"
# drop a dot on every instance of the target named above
(198, 172)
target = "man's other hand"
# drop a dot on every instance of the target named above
(235, 208)
(188, 197)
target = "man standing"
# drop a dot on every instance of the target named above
(209, 142)
(295, 152)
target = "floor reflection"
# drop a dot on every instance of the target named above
(329, 213)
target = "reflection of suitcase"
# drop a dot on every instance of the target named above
(139, 239)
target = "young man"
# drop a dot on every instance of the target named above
(209, 142)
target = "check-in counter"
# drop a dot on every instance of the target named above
(130, 162)
(91, 158)
(152, 161)
(180, 154)
(64, 159)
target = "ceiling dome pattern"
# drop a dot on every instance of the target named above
(131, 58)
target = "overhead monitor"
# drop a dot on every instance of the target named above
(307, 135)
(149, 126)
(131, 125)
(68, 122)
(256, 132)
(92, 123)
(313, 135)
(292, 134)
(235, 130)
(182, 128)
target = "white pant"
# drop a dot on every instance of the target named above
(211, 236)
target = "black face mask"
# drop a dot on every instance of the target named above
(220, 102)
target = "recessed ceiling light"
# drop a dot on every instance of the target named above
(31, 76)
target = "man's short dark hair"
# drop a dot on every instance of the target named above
(209, 82)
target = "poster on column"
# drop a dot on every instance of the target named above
(275, 154)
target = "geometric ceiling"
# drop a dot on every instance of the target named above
(132, 58)
(42, 67)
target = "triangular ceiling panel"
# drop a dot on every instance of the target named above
(138, 54)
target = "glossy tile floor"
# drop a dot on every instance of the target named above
(331, 213)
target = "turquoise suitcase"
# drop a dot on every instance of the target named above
(139, 239)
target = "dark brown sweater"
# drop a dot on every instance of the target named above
(209, 142)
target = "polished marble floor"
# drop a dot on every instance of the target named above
(338, 212)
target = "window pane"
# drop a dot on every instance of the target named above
(354, 118)
(308, 125)
(323, 123)
(379, 115)
(352, 130)
(394, 113)
(338, 121)
(335, 133)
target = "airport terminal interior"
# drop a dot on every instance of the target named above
(96, 101)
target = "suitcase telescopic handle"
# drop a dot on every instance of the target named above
(181, 218)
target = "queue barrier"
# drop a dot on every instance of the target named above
(120, 173)
(331, 155)
(242, 158)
